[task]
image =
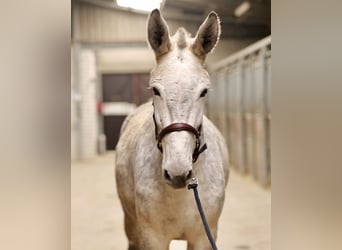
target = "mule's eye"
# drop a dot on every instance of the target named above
(204, 92)
(155, 91)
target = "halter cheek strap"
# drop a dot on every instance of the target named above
(174, 127)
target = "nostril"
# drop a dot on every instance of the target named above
(166, 175)
(189, 175)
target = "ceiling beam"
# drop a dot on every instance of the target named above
(230, 30)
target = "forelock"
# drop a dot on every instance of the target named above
(181, 38)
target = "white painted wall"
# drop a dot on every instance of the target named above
(125, 60)
(88, 115)
(95, 24)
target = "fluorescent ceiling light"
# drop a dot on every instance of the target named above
(242, 8)
(146, 5)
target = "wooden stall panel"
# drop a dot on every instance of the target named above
(259, 115)
(210, 109)
(245, 119)
(261, 161)
(235, 119)
(230, 104)
(228, 111)
(249, 143)
(221, 110)
(248, 101)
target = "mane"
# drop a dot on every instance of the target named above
(181, 37)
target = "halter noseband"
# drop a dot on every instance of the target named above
(179, 126)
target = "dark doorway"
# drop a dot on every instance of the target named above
(129, 88)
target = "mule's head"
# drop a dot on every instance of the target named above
(180, 83)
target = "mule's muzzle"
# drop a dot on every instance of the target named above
(178, 181)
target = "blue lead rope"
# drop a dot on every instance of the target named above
(193, 185)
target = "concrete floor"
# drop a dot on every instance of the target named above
(97, 219)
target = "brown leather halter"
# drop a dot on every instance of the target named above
(179, 126)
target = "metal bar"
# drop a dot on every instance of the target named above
(242, 53)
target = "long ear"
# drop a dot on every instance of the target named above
(207, 35)
(158, 33)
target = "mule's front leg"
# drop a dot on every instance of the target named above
(201, 242)
(151, 239)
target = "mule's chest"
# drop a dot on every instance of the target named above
(177, 214)
(175, 211)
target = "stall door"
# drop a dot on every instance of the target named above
(121, 93)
